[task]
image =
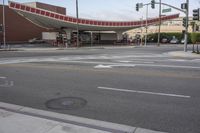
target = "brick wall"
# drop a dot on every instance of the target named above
(19, 29)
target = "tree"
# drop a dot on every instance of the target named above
(193, 26)
(194, 37)
(193, 40)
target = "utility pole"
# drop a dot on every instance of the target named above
(77, 24)
(4, 27)
(159, 23)
(186, 27)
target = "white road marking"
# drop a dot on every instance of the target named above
(134, 61)
(6, 83)
(129, 59)
(69, 58)
(196, 60)
(123, 64)
(92, 62)
(177, 60)
(124, 61)
(144, 92)
(11, 83)
(103, 66)
(168, 66)
(111, 66)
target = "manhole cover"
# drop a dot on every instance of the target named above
(66, 103)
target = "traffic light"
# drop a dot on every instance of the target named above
(137, 7)
(185, 22)
(153, 4)
(184, 6)
(196, 14)
(1, 28)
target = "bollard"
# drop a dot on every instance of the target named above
(197, 49)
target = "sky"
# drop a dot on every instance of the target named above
(114, 10)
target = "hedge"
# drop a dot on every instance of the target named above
(154, 37)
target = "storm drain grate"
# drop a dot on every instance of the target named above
(66, 103)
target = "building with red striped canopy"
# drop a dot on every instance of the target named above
(29, 20)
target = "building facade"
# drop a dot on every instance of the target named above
(19, 29)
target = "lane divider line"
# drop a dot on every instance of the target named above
(144, 92)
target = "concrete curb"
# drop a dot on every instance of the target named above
(59, 121)
(65, 48)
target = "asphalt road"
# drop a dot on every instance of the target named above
(140, 87)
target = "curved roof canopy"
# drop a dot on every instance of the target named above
(51, 20)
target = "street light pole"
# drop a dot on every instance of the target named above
(146, 25)
(77, 24)
(4, 28)
(159, 23)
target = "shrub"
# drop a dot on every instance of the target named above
(154, 36)
(194, 38)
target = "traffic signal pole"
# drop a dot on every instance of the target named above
(159, 23)
(186, 11)
(147, 11)
(187, 19)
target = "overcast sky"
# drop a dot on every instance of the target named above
(113, 9)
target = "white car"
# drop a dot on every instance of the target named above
(174, 41)
(35, 40)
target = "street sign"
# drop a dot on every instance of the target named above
(166, 10)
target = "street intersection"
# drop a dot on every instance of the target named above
(140, 87)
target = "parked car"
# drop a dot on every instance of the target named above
(35, 40)
(174, 41)
(164, 40)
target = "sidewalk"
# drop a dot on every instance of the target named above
(19, 119)
(183, 54)
(73, 48)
